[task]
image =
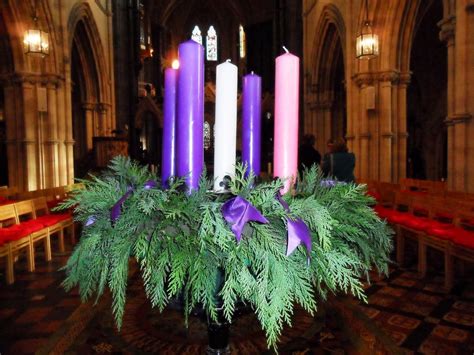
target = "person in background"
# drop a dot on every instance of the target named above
(307, 154)
(339, 163)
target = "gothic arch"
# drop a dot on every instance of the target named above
(330, 18)
(328, 64)
(81, 14)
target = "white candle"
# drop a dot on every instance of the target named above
(225, 128)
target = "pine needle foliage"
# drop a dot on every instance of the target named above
(185, 248)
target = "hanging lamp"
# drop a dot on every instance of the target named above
(36, 41)
(367, 43)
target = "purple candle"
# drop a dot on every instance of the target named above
(190, 114)
(251, 122)
(168, 168)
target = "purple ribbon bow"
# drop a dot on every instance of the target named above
(298, 231)
(117, 208)
(237, 212)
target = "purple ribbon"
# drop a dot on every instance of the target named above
(150, 184)
(331, 183)
(237, 212)
(90, 221)
(117, 208)
(298, 231)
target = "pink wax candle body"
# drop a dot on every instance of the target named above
(285, 153)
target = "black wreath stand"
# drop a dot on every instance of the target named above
(218, 332)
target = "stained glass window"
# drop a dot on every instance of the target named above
(207, 135)
(242, 42)
(141, 10)
(196, 35)
(211, 44)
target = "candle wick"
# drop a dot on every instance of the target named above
(286, 50)
(228, 60)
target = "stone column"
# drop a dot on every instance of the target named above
(401, 130)
(447, 26)
(386, 120)
(89, 113)
(327, 119)
(30, 121)
(51, 139)
(63, 116)
(103, 122)
(69, 140)
(363, 80)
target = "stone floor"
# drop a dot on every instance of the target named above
(412, 314)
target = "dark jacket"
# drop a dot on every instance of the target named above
(343, 165)
(308, 156)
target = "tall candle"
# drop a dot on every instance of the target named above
(168, 168)
(225, 128)
(251, 122)
(285, 155)
(190, 114)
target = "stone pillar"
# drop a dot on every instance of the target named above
(458, 120)
(402, 134)
(63, 116)
(361, 127)
(321, 124)
(29, 136)
(69, 140)
(89, 113)
(386, 120)
(446, 35)
(51, 139)
(103, 122)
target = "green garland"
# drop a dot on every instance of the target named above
(182, 242)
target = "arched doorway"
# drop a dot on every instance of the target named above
(85, 98)
(427, 97)
(330, 101)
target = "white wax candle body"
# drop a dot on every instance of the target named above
(285, 160)
(225, 128)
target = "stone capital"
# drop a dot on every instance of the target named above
(31, 79)
(458, 118)
(405, 78)
(88, 106)
(102, 107)
(364, 79)
(389, 135)
(448, 30)
(391, 76)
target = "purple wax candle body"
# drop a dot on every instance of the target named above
(251, 122)
(190, 114)
(168, 157)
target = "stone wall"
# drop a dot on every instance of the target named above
(378, 136)
(40, 144)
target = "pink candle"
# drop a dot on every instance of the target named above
(285, 153)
